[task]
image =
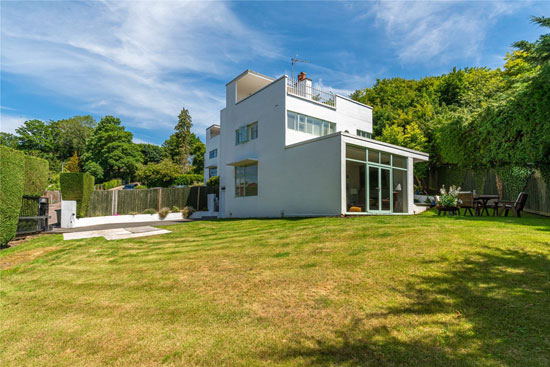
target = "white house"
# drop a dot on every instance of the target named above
(285, 148)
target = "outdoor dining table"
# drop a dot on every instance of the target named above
(484, 199)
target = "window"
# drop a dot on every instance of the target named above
(309, 125)
(213, 153)
(364, 134)
(246, 180)
(244, 133)
(253, 128)
(212, 172)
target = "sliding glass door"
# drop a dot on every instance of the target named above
(380, 199)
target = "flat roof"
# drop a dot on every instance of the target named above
(248, 71)
(348, 135)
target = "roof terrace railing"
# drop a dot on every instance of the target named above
(306, 90)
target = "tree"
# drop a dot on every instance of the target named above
(161, 174)
(94, 169)
(151, 153)
(197, 153)
(9, 140)
(183, 134)
(111, 147)
(35, 135)
(73, 165)
(71, 135)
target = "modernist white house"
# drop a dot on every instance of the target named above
(285, 148)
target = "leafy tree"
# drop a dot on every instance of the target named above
(73, 165)
(151, 153)
(197, 153)
(9, 140)
(71, 135)
(36, 135)
(95, 170)
(161, 174)
(111, 147)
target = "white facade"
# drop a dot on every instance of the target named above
(287, 145)
(211, 156)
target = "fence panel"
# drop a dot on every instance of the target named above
(538, 191)
(175, 197)
(136, 201)
(101, 203)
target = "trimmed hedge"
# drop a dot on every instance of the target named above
(188, 179)
(36, 176)
(12, 166)
(77, 186)
(112, 184)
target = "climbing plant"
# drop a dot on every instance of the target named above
(514, 179)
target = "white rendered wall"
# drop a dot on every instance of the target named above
(211, 144)
(348, 115)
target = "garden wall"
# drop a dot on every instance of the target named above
(507, 182)
(137, 201)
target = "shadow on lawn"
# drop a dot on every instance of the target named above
(503, 296)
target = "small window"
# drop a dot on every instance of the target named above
(364, 134)
(212, 172)
(356, 153)
(400, 162)
(385, 158)
(253, 129)
(291, 123)
(373, 156)
(213, 153)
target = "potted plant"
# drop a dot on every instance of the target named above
(448, 200)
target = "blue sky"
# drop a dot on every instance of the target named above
(144, 61)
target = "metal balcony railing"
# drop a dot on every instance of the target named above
(306, 90)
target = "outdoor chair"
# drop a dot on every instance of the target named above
(515, 206)
(466, 201)
(493, 204)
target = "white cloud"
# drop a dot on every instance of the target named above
(8, 123)
(142, 61)
(437, 30)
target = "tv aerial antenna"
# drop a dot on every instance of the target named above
(295, 60)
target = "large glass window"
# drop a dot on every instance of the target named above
(309, 125)
(376, 181)
(246, 180)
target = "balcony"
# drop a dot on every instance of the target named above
(305, 89)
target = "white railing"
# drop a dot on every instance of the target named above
(305, 89)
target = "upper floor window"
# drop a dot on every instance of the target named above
(212, 172)
(246, 180)
(309, 125)
(245, 133)
(213, 153)
(364, 134)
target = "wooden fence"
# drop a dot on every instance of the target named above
(486, 182)
(137, 201)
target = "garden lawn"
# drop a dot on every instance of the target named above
(363, 291)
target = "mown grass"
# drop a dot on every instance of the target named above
(368, 291)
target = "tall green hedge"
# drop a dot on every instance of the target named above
(12, 165)
(77, 186)
(35, 176)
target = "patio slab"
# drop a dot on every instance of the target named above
(116, 233)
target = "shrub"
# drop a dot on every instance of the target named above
(187, 212)
(160, 174)
(449, 199)
(188, 179)
(35, 176)
(164, 212)
(140, 187)
(213, 181)
(12, 166)
(175, 209)
(77, 186)
(149, 211)
(112, 184)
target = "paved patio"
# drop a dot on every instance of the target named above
(116, 233)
